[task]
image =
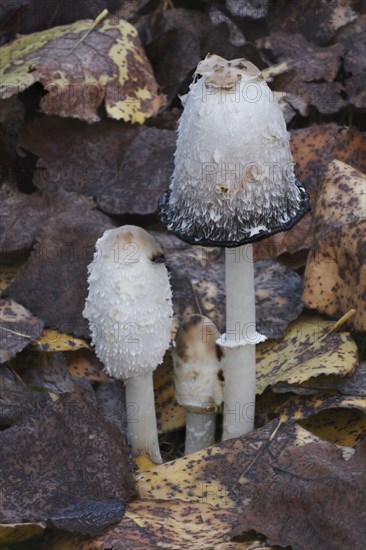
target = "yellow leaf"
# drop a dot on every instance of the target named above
(304, 354)
(169, 414)
(52, 340)
(12, 533)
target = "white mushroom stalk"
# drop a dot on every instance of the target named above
(129, 309)
(196, 360)
(233, 184)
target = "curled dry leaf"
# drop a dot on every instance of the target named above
(353, 39)
(18, 328)
(199, 287)
(65, 464)
(307, 351)
(335, 418)
(335, 275)
(80, 73)
(313, 148)
(124, 167)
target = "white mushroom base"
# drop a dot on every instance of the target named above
(200, 431)
(141, 419)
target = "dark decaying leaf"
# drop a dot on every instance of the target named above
(352, 38)
(317, 21)
(27, 16)
(312, 70)
(15, 398)
(53, 281)
(335, 275)
(176, 40)
(281, 485)
(124, 167)
(198, 282)
(313, 148)
(313, 499)
(18, 328)
(80, 73)
(65, 464)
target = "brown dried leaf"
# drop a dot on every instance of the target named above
(81, 71)
(18, 328)
(198, 284)
(16, 399)
(312, 70)
(335, 275)
(313, 499)
(313, 148)
(65, 464)
(317, 21)
(53, 282)
(124, 167)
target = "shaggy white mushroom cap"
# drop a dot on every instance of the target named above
(129, 305)
(234, 172)
(196, 360)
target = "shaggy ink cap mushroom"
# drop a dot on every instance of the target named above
(196, 359)
(198, 388)
(129, 309)
(233, 181)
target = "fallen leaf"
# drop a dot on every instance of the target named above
(53, 282)
(16, 399)
(304, 353)
(312, 70)
(313, 499)
(79, 74)
(313, 148)
(317, 21)
(335, 275)
(65, 464)
(343, 426)
(52, 340)
(259, 481)
(13, 533)
(352, 38)
(169, 414)
(18, 328)
(83, 363)
(333, 417)
(28, 16)
(8, 272)
(125, 168)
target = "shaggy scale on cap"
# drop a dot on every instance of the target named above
(129, 306)
(233, 181)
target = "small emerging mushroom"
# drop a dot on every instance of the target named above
(129, 309)
(233, 184)
(198, 388)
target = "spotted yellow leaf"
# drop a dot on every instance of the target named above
(307, 351)
(52, 340)
(81, 65)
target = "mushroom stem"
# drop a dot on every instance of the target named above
(200, 431)
(241, 337)
(141, 419)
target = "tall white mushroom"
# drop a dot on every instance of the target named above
(198, 388)
(129, 309)
(233, 184)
